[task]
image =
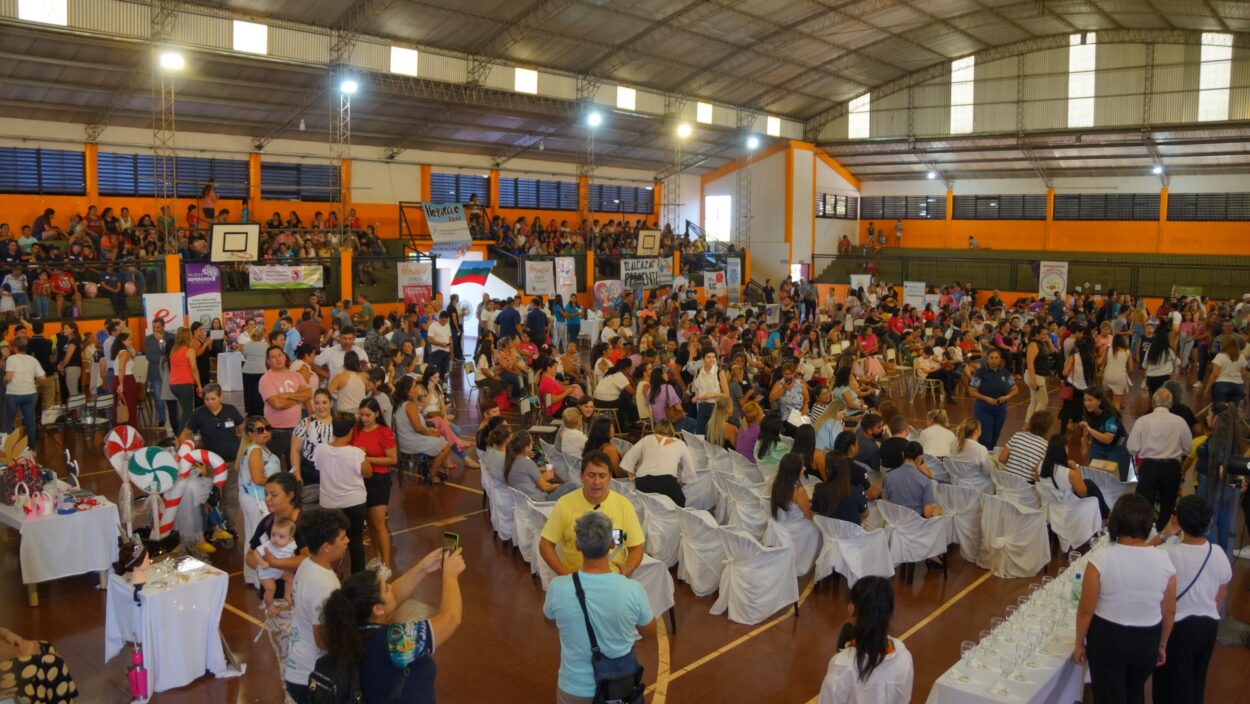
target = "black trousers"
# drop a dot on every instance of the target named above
(665, 484)
(356, 536)
(1183, 678)
(252, 400)
(1160, 481)
(1121, 659)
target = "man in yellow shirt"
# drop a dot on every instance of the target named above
(596, 495)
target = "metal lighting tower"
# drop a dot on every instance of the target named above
(165, 63)
(742, 180)
(341, 138)
(670, 209)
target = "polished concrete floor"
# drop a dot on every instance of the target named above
(505, 650)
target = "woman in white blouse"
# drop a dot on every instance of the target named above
(936, 438)
(869, 666)
(709, 384)
(657, 460)
(967, 449)
(1227, 380)
(1128, 601)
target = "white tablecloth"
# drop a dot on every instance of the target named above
(178, 627)
(59, 546)
(591, 328)
(230, 371)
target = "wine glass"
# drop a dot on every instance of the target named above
(967, 653)
(1023, 652)
(1073, 556)
(987, 641)
(1006, 665)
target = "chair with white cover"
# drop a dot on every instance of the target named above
(749, 511)
(528, 521)
(559, 463)
(963, 505)
(795, 530)
(1110, 485)
(622, 445)
(757, 581)
(716, 454)
(1015, 489)
(937, 465)
(1014, 542)
(700, 492)
(657, 582)
(724, 500)
(1074, 520)
(768, 470)
(851, 551)
(701, 557)
(502, 509)
(698, 447)
(575, 469)
(549, 450)
(744, 468)
(969, 475)
(914, 538)
(661, 527)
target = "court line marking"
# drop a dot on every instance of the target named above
(663, 661)
(462, 487)
(443, 522)
(246, 616)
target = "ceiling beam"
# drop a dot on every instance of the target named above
(497, 44)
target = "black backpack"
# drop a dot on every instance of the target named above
(328, 685)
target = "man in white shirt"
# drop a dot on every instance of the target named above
(20, 372)
(332, 358)
(1159, 440)
(438, 337)
(325, 535)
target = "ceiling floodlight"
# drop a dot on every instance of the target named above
(932, 175)
(594, 119)
(349, 86)
(172, 61)
(1157, 170)
(684, 130)
(753, 142)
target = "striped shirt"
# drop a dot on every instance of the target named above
(1025, 453)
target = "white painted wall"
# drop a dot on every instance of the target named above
(770, 253)
(804, 205)
(829, 230)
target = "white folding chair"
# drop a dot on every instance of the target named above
(661, 527)
(1074, 520)
(757, 581)
(1014, 542)
(768, 470)
(559, 463)
(749, 511)
(622, 445)
(502, 509)
(796, 531)
(914, 538)
(701, 557)
(969, 475)
(851, 551)
(657, 582)
(963, 505)
(700, 493)
(1110, 485)
(528, 523)
(549, 450)
(1015, 489)
(745, 468)
(724, 500)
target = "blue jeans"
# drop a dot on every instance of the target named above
(42, 307)
(704, 415)
(154, 388)
(686, 423)
(25, 403)
(992, 419)
(1227, 392)
(1222, 531)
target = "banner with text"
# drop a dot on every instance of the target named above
(416, 282)
(448, 228)
(271, 277)
(641, 273)
(169, 307)
(733, 278)
(913, 294)
(1052, 279)
(540, 278)
(203, 293)
(566, 276)
(714, 281)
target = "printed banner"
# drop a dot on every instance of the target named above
(666, 271)
(640, 273)
(448, 228)
(169, 307)
(913, 294)
(733, 278)
(203, 293)
(566, 276)
(473, 272)
(236, 323)
(608, 296)
(270, 277)
(1052, 279)
(859, 281)
(715, 283)
(415, 281)
(540, 278)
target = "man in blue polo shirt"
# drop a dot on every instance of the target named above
(536, 322)
(509, 319)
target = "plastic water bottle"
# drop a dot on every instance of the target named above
(1076, 590)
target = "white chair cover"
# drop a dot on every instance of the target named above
(1110, 486)
(559, 463)
(1014, 542)
(622, 445)
(657, 581)
(575, 469)
(912, 537)
(698, 448)
(937, 465)
(749, 512)
(768, 470)
(851, 551)
(253, 512)
(757, 582)
(724, 500)
(700, 493)
(531, 517)
(745, 468)
(701, 555)
(963, 505)
(548, 449)
(661, 527)
(794, 530)
(715, 454)
(969, 475)
(502, 508)
(1073, 519)
(1015, 489)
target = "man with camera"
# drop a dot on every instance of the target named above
(596, 495)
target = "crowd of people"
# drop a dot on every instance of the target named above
(526, 236)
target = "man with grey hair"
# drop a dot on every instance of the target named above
(616, 606)
(1158, 441)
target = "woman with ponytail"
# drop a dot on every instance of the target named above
(870, 666)
(968, 450)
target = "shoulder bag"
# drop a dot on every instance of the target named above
(1197, 574)
(617, 680)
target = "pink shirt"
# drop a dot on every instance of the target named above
(281, 382)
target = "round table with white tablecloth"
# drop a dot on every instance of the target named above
(230, 371)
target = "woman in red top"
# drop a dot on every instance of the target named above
(552, 392)
(378, 442)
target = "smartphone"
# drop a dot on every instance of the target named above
(451, 542)
(617, 536)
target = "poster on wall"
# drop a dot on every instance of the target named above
(168, 307)
(415, 281)
(1052, 279)
(913, 294)
(540, 278)
(278, 277)
(859, 281)
(448, 228)
(203, 293)
(566, 276)
(715, 283)
(666, 271)
(608, 296)
(235, 323)
(733, 279)
(640, 273)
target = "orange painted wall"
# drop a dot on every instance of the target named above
(926, 234)
(1106, 236)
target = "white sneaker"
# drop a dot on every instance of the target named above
(1243, 553)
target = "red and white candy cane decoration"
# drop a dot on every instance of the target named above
(120, 445)
(169, 502)
(188, 458)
